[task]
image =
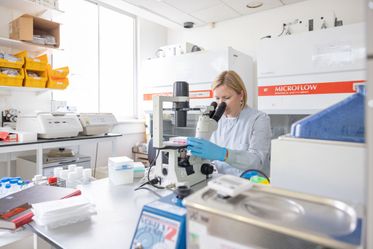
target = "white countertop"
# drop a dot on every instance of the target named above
(118, 209)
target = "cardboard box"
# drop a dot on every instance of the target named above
(26, 26)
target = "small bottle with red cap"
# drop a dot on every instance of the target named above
(52, 180)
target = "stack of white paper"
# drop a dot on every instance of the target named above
(53, 214)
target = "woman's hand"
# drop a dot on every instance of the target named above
(205, 149)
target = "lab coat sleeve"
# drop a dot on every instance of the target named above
(257, 155)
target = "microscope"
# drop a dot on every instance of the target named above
(173, 164)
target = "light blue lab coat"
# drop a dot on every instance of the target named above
(248, 140)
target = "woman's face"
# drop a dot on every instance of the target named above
(231, 98)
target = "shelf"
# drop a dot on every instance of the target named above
(8, 90)
(15, 44)
(28, 7)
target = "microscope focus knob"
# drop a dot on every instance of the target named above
(182, 191)
(207, 169)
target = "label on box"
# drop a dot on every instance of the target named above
(123, 167)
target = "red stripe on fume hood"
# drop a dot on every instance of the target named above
(309, 88)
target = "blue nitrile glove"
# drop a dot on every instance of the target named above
(205, 149)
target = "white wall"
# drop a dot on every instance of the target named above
(244, 33)
(151, 36)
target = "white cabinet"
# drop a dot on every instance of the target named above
(199, 69)
(307, 72)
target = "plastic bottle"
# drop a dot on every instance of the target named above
(71, 181)
(72, 167)
(20, 184)
(79, 170)
(27, 184)
(87, 174)
(63, 174)
(4, 180)
(39, 180)
(7, 189)
(13, 185)
(57, 171)
(52, 181)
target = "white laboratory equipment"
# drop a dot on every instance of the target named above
(97, 123)
(50, 125)
(199, 69)
(177, 49)
(179, 167)
(307, 72)
(325, 153)
(268, 217)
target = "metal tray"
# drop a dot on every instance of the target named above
(311, 218)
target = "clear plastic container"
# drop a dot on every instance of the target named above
(120, 170)
(87, 175)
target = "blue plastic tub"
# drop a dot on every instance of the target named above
(343, 121)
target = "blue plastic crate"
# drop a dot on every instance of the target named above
(343, 121)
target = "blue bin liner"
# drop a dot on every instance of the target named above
(343, 121)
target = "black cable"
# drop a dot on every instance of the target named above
(150, 190)
(152, 163)
(258, 171)
(142, 185)
(264, 37)
(155, 180)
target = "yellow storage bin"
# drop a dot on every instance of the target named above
(57, 83)
(37, 64)
(12, 80)
(57, 77)
(38, 82)
(61, 72)
(14, 64)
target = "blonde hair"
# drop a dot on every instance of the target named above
(232, 80)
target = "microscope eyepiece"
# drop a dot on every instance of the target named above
(219, 111)
(214, 104)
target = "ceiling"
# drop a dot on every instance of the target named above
(203, 12)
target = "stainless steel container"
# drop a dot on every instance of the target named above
(267, 217)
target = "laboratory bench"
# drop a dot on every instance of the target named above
(41, 144)
(118, 209)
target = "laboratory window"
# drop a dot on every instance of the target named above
(99, 46)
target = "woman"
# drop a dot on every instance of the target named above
(242, 140)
